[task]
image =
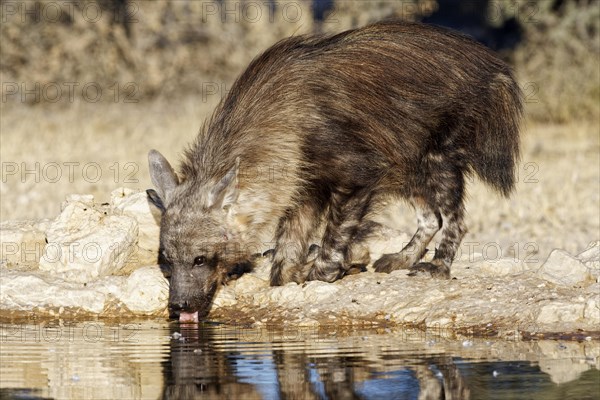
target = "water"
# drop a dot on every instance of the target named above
(152, 360)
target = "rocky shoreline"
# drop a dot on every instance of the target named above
(98, 260)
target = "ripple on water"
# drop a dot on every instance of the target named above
(159, 360)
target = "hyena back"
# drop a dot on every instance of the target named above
(392, 109)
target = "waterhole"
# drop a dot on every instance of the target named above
(166, 360)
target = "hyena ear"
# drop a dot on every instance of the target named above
(225, 193)
(163, 177)
(156, 200)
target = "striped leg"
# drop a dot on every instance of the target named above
(453, 231)
(449, 198)
(344, 220)
(289, 255)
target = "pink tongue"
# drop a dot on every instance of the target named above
(188, 317)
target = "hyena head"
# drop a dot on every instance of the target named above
(198, 239)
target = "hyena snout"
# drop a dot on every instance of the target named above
(176, 307)
(189, 294)
(179, 305)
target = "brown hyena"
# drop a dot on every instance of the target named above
(392, 109)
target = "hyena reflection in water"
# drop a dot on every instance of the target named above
(392, 109)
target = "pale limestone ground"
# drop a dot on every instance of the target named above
(112, 275)
(495, 296)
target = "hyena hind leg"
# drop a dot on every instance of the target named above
(449, 196)
(453, 231)
(429, 222)
(345, 216)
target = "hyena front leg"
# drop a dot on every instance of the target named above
(357, 255)
(291, 248)
(346, 212)
(428, 223)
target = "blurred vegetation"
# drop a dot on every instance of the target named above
(558, 60)
(141, 50)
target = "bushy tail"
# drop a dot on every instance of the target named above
(497, 143)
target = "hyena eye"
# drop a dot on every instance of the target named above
(199, 261)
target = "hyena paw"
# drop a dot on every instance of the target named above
(238, 270)
(280, 274)
(429, 269)
(300, 274)
(391, 262)
(356, 269)
(325, 271)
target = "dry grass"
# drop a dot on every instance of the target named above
(168, 49)
(170, 57)
(555, 205)
(98, 137)
(171, 49)
(559, 60)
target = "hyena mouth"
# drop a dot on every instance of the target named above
(188, 317)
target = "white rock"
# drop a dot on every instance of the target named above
(561, 268)
(135, 204)
(500, 267)
(27, 290)
(111, 286)
(248, 284)
(409, 314)
(308, 322)
(146, 291)
(86, 199)
(591, 256)
(290, 293)
(591, 259)
(317, 292)
(225, 297)
(261, 297)
(556, 312)
(592, 310)
(22, 243)
(84, 243)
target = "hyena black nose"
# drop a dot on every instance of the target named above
(176, 308)
(179, 305)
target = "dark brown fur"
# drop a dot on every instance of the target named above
(392, 109)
